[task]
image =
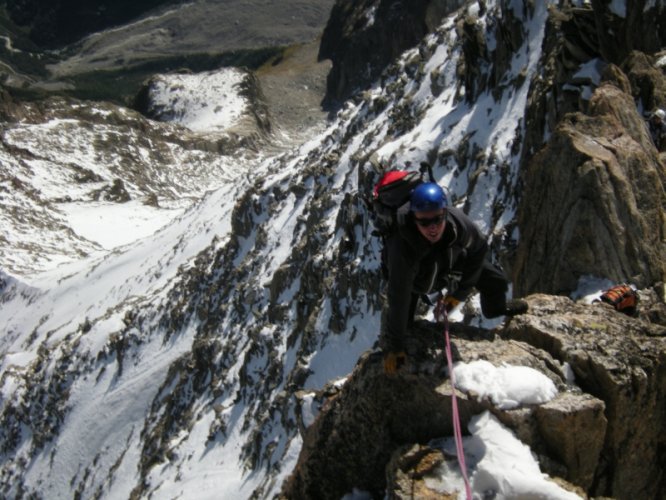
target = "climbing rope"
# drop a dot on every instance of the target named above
(442, 316)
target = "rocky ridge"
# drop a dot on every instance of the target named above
(599, 185)
(588, 435)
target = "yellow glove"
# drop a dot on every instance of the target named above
(450, 302)
(446, 303)
(394, 361)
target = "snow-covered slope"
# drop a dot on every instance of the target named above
(170, 367)
(80, 178)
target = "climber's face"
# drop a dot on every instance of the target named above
(431, 224)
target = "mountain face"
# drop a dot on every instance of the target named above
(230, 353)
(362, 38)
(58, 23)
(64, 155)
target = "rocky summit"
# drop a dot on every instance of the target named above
(587, 436)
(191, 285)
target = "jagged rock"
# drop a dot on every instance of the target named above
(639, 29)
(481, 68)
(363, 432)
(597, 29)
(593, 202)
(621, 361)
(604, 435)
(575, 36)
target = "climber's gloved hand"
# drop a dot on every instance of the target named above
(394, 361)
(445, 304)
(450, 302)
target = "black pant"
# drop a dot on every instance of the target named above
(492, 286)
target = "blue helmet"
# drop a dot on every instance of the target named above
(426, 197)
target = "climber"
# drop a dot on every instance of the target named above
(657, 126)
(436, 247)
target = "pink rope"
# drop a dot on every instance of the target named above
(460, 452)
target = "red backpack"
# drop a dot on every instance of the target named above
(390, 193)
(393, 191)
(623, 298)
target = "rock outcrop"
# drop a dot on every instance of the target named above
(619, 360)
(602, 434)
(593, 182)
(210, 105)
(594, 201)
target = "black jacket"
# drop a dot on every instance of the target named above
(416, 266)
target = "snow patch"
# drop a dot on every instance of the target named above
(202, 102)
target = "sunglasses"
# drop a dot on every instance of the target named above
(430, 221)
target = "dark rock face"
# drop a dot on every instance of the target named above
(363, 37)
(580, 35)
(642, 29)
(603, 435)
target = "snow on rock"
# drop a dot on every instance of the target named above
(210, 101)
(507, 386)
(495, 447)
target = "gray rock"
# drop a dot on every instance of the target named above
(363, 38)
(600, 436)
(619, 360)
(593, 201)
